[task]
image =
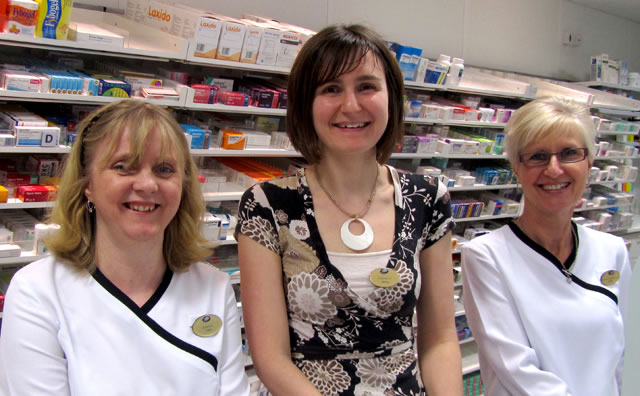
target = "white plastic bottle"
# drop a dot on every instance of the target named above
(455, 71)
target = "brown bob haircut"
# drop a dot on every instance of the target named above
(74, 242)
(330, 53)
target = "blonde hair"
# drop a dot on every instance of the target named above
(183, 244)
(546, 117)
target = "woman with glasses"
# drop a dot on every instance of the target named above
(545, 298)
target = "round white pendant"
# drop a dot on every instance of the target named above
(356, 242)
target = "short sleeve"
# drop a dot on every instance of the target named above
(438, 203)
(256, 218)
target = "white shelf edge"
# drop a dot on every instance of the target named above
(466, 341)
(452, 156)
(598, 207)
(473, 124)
(623, 157)
(608, 85)
(24, 258)
(34, 150)
(470, 368)
(484, 218)
(481, 187)
(80, 99)
(14, 203)
(616, 133)
(250, 152)
(73, 46)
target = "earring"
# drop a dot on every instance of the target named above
(90, 206)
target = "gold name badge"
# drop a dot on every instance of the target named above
(207, 325)
(610, 278)
(384, 277)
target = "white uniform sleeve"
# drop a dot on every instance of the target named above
(496, 326)
(623, 299)
(231, 372)
(31, 359)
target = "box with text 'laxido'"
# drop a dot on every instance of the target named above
(231, 39)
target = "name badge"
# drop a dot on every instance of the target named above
(207, 325)
(384, 277)
(610, 278)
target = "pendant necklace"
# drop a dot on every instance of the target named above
(355, 242)
(565, 270)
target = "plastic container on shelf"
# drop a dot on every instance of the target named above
(455, 71)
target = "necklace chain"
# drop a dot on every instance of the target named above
(369, 201)
(565, 270)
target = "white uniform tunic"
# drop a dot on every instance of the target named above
(69, 333)
(536, 333)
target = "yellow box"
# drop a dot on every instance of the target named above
(53, 19)
(4, 194)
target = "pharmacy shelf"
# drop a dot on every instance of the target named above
(222, 196)
(471, 124)
(484, 218)
(24, 258)
(34, 150)
(612, 158)
(615, 133)
(482, 187)
(223, 64)
(14, 203)
(598, 84)
(176, 53)
(22, 96)
(598, 207)
(220, 108)
(610, 183)
(469, 352)
(466, 340)
(229, 241)
(464, 89)
(266, 152)
(451, 156)
(459, 308)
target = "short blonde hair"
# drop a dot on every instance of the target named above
(545, 117)
(183, 244)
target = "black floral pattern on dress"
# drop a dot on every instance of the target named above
(347, 344)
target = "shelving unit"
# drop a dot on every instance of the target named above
(158, 46)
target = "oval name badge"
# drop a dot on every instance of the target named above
(610, 278)
(207, 325)
(384, 277)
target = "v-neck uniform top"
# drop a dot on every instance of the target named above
(537, 333)
(329, 322)
(66, 332)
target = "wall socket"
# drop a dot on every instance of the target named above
(571, 38)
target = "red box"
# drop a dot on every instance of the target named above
(32, 193)
(233, 98)
(205, 93)
(1, 302)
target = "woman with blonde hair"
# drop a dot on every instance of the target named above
(546, 298)
(124, 304)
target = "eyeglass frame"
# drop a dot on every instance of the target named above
(585, 151)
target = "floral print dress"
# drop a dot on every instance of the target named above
(345, 343)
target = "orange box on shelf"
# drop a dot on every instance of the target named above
(32, 193)
(233, 140)
(4, 194)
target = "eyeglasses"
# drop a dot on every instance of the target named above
(542, 158)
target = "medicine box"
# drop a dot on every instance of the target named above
(231, 39)
(96, 34)
(232, 140)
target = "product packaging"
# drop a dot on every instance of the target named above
(53, 19)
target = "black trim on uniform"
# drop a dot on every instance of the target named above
(554, 260)
(153, 300)
(140, 313)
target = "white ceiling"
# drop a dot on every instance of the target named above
(629, 9)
